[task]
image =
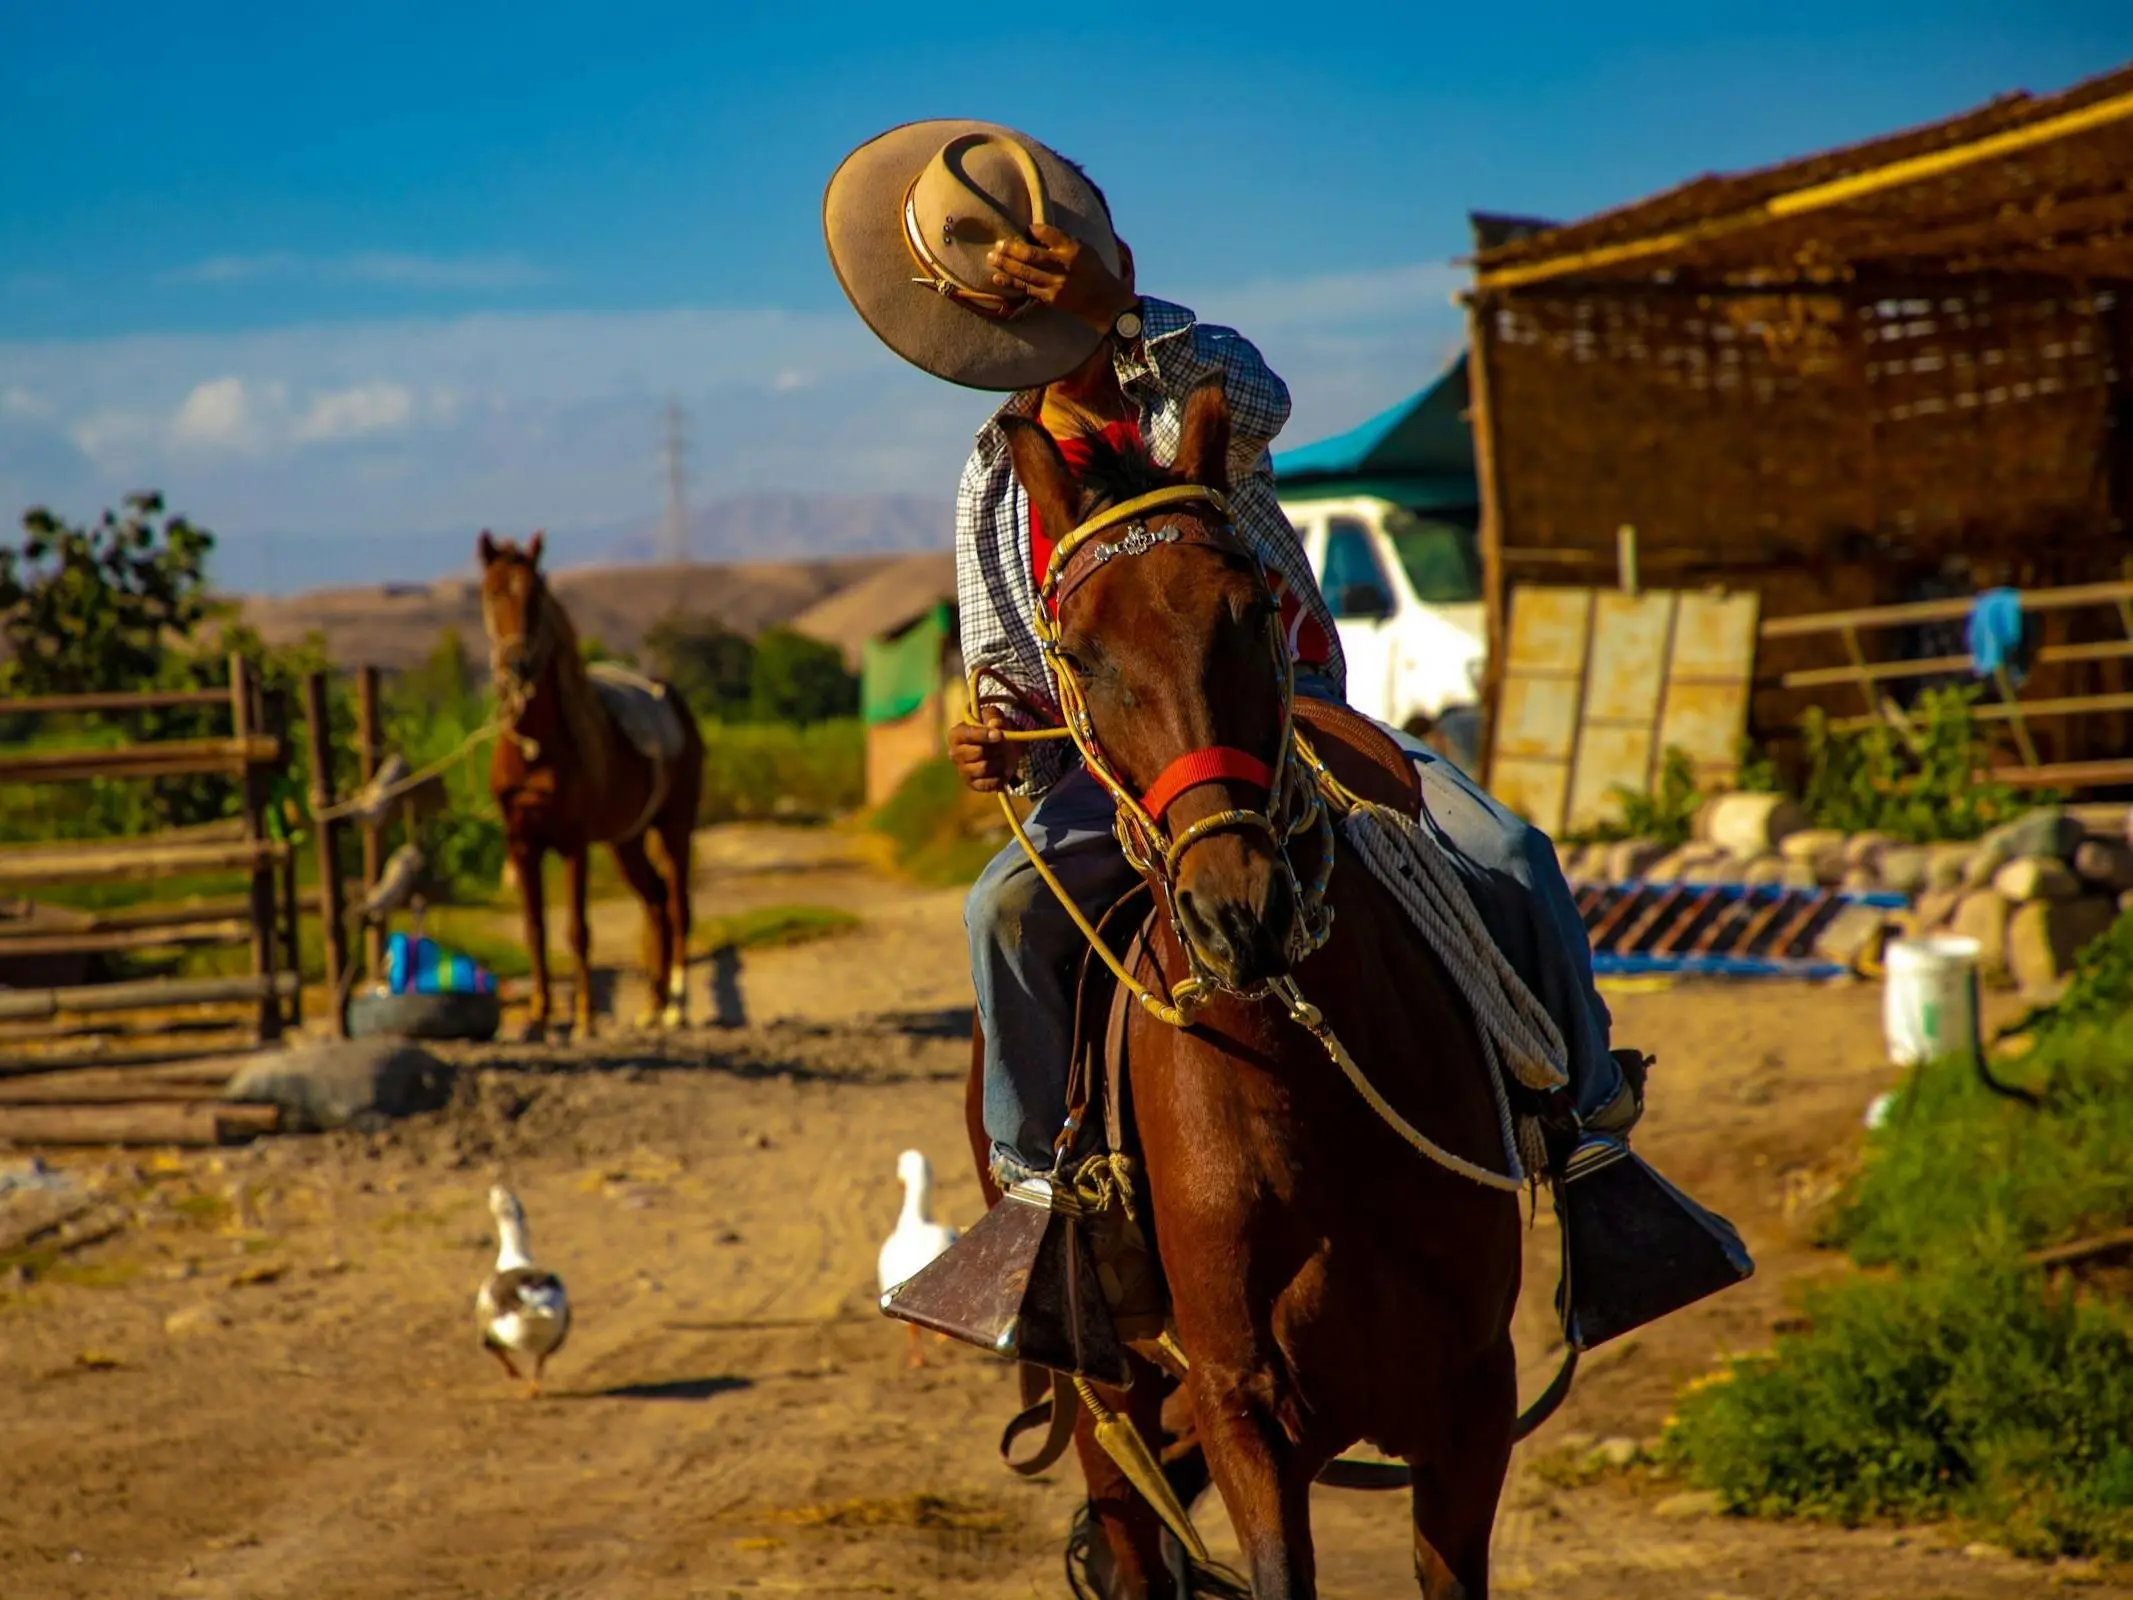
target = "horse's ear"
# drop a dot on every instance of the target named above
(1203, 443)
(485, 547)
(1043, 474)
(533, 548)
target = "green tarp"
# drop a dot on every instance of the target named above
(898, 671)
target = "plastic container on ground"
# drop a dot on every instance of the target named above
(1929, 1000)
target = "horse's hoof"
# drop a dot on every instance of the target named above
(534, 1033)
(676, 1015)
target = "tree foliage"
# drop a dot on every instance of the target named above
(781, 676)
(101, 607)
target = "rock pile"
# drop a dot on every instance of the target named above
(2031, 892)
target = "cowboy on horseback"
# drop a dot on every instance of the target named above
(1032, 292)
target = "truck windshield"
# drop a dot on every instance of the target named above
(1439, 557)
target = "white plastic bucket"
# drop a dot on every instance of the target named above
(1929, 1003)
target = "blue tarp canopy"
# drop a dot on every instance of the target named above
(1420, 453)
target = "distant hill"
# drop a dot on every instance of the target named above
(738, 528)
(395, 625)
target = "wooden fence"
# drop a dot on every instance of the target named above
(255, 752)
(2102, 610)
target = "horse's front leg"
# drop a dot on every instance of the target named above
(1261, 1472)
(526, 859)
(1458, 1483)
(581, 941)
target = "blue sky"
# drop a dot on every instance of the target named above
(321, 271)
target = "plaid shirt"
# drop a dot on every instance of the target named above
(995, 591)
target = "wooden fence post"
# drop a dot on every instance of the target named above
(369, 748)
(319, 732)
(292, 926)
(244, 707)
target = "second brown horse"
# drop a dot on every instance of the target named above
(1328, 1284)
(566, 778)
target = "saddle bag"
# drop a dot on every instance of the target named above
(1635, 1248)
(1023, 1284)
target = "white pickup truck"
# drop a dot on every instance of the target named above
(1405, 591)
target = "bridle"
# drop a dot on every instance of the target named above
(516, 661)
(1295, 807)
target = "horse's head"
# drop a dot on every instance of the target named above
(1167, 628)
(513, 601)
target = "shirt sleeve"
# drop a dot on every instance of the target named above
(1177, 351)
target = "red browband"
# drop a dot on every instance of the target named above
(1212, 765)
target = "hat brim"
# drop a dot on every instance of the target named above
(862, 222)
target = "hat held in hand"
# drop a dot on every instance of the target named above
(911, 217)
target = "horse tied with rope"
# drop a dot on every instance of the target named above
(587, 755)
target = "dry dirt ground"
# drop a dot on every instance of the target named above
(266, 1384)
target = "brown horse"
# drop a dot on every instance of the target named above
(566, 777)
(1328, 1284)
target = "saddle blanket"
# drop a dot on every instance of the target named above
(645, 712)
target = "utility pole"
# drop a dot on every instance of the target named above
(677, 540)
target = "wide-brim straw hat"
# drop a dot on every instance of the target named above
(910, 217)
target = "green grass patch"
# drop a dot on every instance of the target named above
(768, 927)
(1970, 1391)
(939, 832)
(1958, 1381)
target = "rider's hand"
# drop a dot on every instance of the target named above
(986, 760)
(1059, 271)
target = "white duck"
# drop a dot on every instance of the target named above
(918, 1241)
(520, 1307)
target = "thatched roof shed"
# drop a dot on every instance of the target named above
(1889, 372)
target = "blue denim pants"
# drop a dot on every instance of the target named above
(1025, 951)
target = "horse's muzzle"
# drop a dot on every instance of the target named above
(1243, 938)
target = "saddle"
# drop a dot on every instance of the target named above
(642, 709)
(649, 720)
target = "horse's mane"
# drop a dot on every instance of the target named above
(576, 702)
(1117, 472)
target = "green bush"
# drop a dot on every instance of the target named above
(1968, 1392)
(1965, 1384)
(1874, 779)
(1957, 1170)
(757, 771)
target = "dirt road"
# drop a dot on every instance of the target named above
(266, 1384)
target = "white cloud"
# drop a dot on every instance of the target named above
(350, 413)
(513, 420)
(397, 268)
(16, 401)
(217, 415)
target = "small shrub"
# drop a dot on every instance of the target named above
(757, 771)
(1666, 814)
(1969, 1392)
(1872, 779)
(939, 831)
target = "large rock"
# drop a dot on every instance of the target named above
(1982, 915)
(2036, 878)
(2107, 863)
(1747, 825)
(1947, 863)
(2044, 937)
(1763, 870)
(1864, 849)
(2046, 831)
(1632, 858)
(333, 1084)
(1903, 868)
(1849, 935)
(1935, 907)
(1814, 846)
